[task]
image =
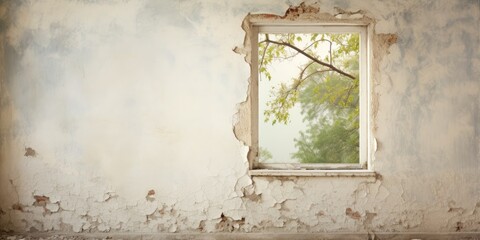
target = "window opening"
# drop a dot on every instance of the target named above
(311, 87)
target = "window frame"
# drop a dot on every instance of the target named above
(365, 142)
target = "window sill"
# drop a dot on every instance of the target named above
(314, 173)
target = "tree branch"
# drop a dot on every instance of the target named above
(300, 81)
(307, 47)
(311, 57)
(265, 50)
(304, 69)
(330, 51)
(348, 93)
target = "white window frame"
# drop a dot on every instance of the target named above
(365, 164)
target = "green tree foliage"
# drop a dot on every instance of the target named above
(265, 155)
(327, 89)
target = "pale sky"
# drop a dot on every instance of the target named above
(278, 139)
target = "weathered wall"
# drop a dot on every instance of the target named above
(118, 116)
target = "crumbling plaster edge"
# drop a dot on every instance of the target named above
(379, 44)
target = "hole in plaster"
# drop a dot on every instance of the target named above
(30, 152)
(150, 195)
(18, 207)
(227, 224)
(459, 226)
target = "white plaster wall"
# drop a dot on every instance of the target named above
(118, 98)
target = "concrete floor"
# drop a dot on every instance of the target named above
(243, 236)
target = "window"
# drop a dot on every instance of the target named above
(310, 97)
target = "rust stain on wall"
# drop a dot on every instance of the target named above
(41, 200)
(353, 214)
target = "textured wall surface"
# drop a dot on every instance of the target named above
(119, 115)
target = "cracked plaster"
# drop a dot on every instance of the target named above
(91, 123)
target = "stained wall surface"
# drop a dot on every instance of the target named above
(119, 115)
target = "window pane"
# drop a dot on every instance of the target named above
(308, 98)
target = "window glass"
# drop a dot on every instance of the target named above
(309, 97)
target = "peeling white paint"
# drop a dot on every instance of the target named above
(117, 98)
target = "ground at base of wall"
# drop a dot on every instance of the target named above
(245, 236)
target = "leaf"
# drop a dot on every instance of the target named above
(267, 74)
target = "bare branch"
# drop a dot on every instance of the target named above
(330, 51)
(265, 50)
(319, 71)
(349, 92)
(312, 58)
(304, 69)
(307, 47)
